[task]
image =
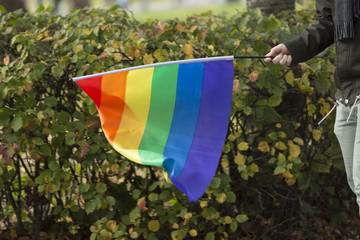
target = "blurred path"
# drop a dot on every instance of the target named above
(165, 5)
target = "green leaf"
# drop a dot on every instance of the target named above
(90, 206)
(247, 110)
(110, 200)
(17, 123)
(153, 186)
(91, 58)
(81, 55)
(136, 193)
(241, 218)
(84, 188)
(320, 167)
(279, 170)
(79, 125)
(38, 141)
(4, 119)
(45, 149)
(2, 9)
(230, 197)
(63, 118)
(70, 138)
(57, 71)
(274, 101)
(271, 24)
(226, 148)
(215, 183)
(233, 226)
(153, 197)
(210, 236)
(101, 188)
(53, 165)
(134, 214)
(51, 101)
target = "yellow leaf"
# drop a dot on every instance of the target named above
(289, 177)
(294, 150)
(78, 48)
(289, 77)
(193, 28)
(6, 60)
(193, 233)
(278, 125)
(148, 59)
(237, 43)
(225, 164)
(188, 49)
(227, 220)
(137, 53)
(231, 137)
(68, 219)
(299, 141)
(154, 225)
(220, 198)
(175, 226)
(111, 225)
(40, 36)
(263, 147)
(160, 27)
(236, 86)
(316, 134)
(180, 27)
(254, 167)
(253, 76)
(116, 45)
(203, 204)
(118, 57)
(87, 31)
(63, 40)
(131, 36)
(47, 40)
(240, 159)
(311, 108)
(282, 134)
(281, 146)
(243, 146)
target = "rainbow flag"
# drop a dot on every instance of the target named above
(172, 115)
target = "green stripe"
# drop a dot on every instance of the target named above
(162, 103)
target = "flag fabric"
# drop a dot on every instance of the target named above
(172, 115)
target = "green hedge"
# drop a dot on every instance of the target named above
(280, 176)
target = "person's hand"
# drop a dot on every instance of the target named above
(281, 55)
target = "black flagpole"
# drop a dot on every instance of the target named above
(239, 57)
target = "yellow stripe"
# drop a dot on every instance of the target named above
(137, 103)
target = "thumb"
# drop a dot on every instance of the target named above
(270, 55)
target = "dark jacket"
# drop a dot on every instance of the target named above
(319, 36)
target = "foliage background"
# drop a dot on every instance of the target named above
(281, 175)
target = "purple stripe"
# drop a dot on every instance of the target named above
(210, 133)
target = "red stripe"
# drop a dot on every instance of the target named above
(92, 87)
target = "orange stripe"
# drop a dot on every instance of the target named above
(113, 87)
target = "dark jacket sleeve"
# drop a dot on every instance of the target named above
(315, 38)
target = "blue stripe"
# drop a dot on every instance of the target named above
(187, 105)
(209, 138)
